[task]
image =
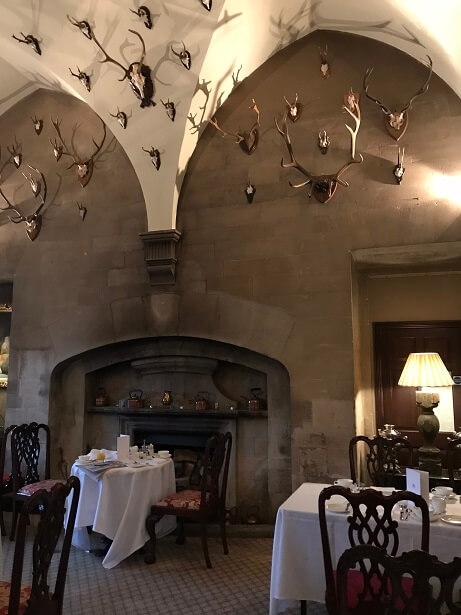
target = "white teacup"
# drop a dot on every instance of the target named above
(164, 454)
(440, 490)
(438, 504)
(344, 482)
(83, 457)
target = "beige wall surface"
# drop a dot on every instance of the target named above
(273, 276)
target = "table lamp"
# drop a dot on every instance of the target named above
(426, 369)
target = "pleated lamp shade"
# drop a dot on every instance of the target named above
(425, 369)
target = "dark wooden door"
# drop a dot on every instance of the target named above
(393, 342)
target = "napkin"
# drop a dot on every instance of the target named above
(109, 455)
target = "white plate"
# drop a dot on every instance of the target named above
(337, 507)
(77, 462)
(453, 519)
(164, 456)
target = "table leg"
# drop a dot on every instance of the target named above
(303, 607)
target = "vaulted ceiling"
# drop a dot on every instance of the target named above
(226, 43)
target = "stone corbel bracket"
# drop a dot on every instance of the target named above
(160, 255)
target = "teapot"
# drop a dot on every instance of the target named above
(201, 400)
(135, 399)
(255, 402)
(389, 431)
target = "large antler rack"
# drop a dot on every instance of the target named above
(34, 221)
(323, 187)
(84, 166)
(396, 122)
(137, 73)
(247, 139)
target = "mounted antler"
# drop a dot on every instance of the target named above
(34, 221)
(144, 14)
(121, 118)
(184, 56)
(83, 26)
(82, 77)
(396, 121)
(248, 139)
(293, 109)
(85, 166)
(355, 114)
(137, 73)
(29, 40)
(15, 154)
(38, 124)
(323, 187)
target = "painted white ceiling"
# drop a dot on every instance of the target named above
(235, 34)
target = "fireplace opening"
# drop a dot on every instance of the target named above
(186, 449)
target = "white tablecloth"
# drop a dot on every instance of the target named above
(297, 559)
(117, 503)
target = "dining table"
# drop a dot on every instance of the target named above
(115, 501)
(297, 572)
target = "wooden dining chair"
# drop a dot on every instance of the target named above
(371, 520)
(6, 485)
(38, 599)
(203, 504)
(414, 583)
(30, 465)
(384, 458)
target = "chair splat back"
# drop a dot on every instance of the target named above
(414, 583)
(5, 475)
(25, 453)
(52, 506)
(382, 457)
(370, 521)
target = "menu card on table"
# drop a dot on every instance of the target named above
(123, 447)
(418, 482)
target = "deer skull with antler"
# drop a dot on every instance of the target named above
(137, 73)
(84, 165)
(396, 122)
(33, 222)
(247, 139)
(324, 186)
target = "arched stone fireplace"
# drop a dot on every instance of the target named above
(191, 369)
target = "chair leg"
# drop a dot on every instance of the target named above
(2, 522)
(14, 521)
(181, 539)
(222, 523)
(204, 539)
(150, 555)
(303, 607)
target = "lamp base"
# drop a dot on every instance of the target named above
(428, 425)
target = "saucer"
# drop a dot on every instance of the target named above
(453, 519)
(338, 507)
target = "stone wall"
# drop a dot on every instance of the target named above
(273, 276)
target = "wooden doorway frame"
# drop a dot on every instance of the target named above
(418, 260)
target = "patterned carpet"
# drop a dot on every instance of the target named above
(178, 583)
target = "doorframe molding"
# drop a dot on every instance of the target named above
(416, 259)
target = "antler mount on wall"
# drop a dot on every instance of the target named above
(396, 121)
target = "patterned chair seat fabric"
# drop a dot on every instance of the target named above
(5, 597)
(187, 499)
(42, 484)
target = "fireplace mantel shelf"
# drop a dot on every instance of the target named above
(116, 410)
